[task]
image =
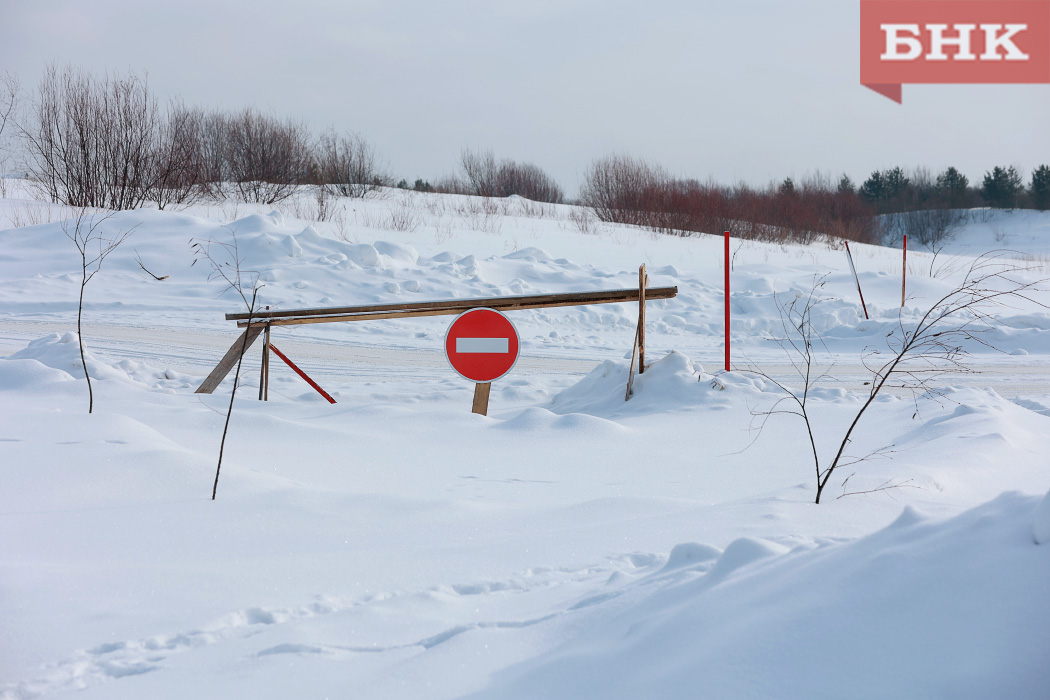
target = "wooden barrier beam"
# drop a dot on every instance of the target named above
(498, 303)
(609, 296)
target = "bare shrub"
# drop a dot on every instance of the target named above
(9, 100)
(583, 219)
(619, 188)
(94, 244)
(403, 216)
(482, 175)
(627, 190)
(181, 167)
(91, 142)
(10, 94)
(348, 165)
(267, 158)
(227, 265)
(914, 356)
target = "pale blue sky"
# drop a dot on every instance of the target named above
(754, 90)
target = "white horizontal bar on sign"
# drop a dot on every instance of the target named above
(476, 345)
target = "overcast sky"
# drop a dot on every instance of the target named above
(750, 90)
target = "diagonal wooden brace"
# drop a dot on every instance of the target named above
(240, 346)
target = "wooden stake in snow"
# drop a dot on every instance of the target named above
(853, 269)
(643, 282)
(638, 349)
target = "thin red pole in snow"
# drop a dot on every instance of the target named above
(853, 268)
(301, 373)
(904, 272)
(727, 299)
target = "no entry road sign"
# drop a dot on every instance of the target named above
(481, 345)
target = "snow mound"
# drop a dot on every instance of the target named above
(673, 382)
(56, 358)
(889, 601)
(62, 352)
(1041, 523)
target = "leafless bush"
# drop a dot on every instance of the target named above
(403, 216)
(583, 219)
(29, 214)
(227, 265)
(10, 94)
(483, 175)
(915, 355)
(929, 227)
(9, 100)
(627, 190)
(618, 188)
(181, 166)
(267, 158)
(348, 165)
(94, 244)
(91, 142)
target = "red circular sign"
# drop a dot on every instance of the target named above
(482, 345)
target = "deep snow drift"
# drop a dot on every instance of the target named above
(571, 544)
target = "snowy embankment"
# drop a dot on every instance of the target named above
(394, 545)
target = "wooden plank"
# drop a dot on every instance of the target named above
(212, 381)
(481, 398)
(655, 293)
(264, 369)
(643, 281)
(609, 296)
(630, 370)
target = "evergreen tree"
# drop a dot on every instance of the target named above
(951, 186)
(873, 188)
(895, 183)
(846, 185)
(1039, 189)
(1001, 187)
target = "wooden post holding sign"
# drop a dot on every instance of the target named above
(481, 345)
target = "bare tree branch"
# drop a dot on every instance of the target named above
(915, 356)
(87, 233)
(226, 263)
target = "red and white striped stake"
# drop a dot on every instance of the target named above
(904, 272)
(727, 299)
(849, 256)
(301, 373)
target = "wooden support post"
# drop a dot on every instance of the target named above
(630, 370)
(481, 398)
(212, 381)
(643, 281)
(265, 388)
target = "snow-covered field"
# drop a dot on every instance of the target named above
(570, 544)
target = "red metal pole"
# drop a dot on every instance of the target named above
(301, 373)
(904, 273)
(727, 299)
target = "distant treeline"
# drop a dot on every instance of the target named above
(105, 141)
